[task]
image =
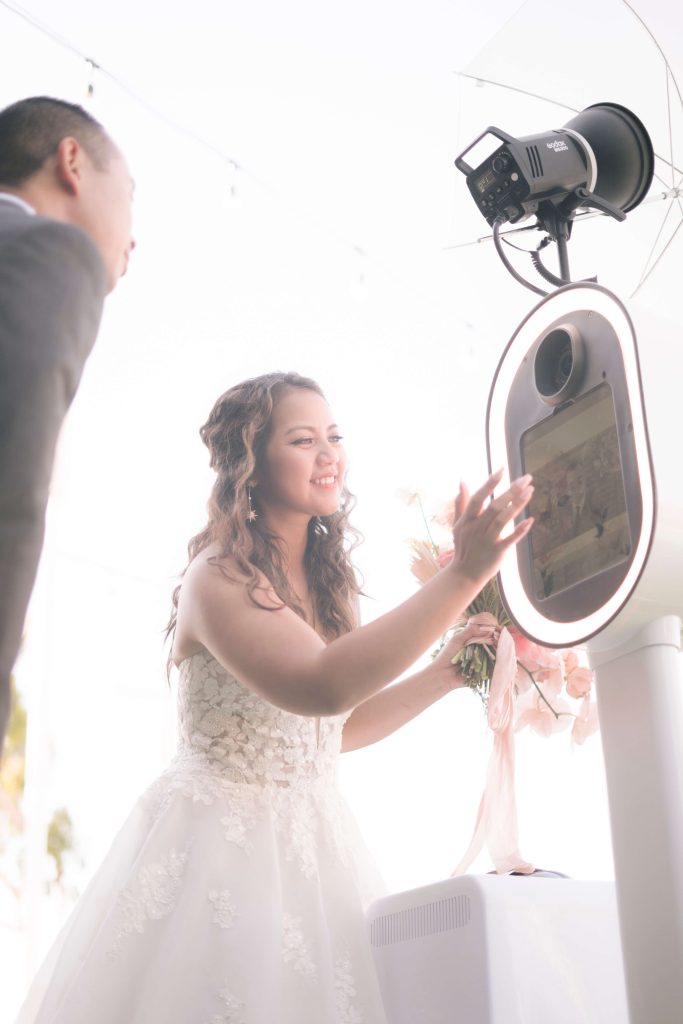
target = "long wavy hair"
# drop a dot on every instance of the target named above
(236, 434)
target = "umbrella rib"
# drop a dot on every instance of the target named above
(654, 244)
(654, 40)
(645, 276)
(578, 218)
(671, 139)
(674, 170)
(514, 88)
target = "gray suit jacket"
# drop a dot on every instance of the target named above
(52, 287)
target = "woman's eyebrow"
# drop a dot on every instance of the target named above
(304, 426)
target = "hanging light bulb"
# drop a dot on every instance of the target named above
(232, 191)
(92, 67)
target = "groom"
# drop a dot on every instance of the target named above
(65, 239)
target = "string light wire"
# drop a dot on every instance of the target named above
(235, 165)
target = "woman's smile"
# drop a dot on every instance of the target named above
(328, 482)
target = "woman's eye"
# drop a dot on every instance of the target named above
(308, 441)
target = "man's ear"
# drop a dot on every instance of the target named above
(69, 165)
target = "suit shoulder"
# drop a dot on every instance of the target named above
(52, 290)
(67, 248)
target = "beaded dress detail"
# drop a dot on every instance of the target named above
(235, 892)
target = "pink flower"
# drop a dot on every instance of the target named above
(551, 678)
(532, 710)
(579, 683)
(543, 663)
(571, 661)
(409, 495)
(444, 557)
(579, 679)
(446, 517)
(586, 722)
(532, 655)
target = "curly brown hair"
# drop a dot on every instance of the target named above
(236, 433)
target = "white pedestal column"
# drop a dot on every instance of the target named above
(640, 703)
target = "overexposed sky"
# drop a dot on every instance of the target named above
(332, 258)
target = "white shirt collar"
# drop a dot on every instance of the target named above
(7, 197)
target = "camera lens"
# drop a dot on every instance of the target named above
(558, 364)
(565, 361)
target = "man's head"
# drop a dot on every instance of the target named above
(58, 158)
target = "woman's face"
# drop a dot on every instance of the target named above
(303, 464)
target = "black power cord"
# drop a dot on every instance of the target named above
(497, 224)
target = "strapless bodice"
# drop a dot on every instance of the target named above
(226, 726)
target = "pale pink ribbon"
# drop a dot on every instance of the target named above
(497, 816)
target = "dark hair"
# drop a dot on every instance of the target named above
(31, 130)
(236, 433)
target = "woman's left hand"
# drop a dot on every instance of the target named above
(474, 632)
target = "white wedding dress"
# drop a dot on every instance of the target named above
(235, 891)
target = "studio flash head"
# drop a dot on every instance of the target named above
(602, 157)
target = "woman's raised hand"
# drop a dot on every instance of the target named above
(479, 521)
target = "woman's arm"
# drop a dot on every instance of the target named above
(282, 659)
(385, 712)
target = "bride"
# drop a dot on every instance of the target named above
(235, 891)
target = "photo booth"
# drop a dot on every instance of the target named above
(586, 397)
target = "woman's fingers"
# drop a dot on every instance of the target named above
(479, 547)
(502, 514)
(474, 633)
(502, 501)
(511, 495)
(461, 501)
(518, 533)
(476, 502)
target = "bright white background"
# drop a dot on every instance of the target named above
(332, 258)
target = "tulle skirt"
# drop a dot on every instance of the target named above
(220, 903)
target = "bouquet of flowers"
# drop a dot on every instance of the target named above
(552, 689)
(520, 683)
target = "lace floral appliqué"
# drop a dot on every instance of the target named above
(295, 950)
(241, 820)
(345, 991)
(224, 911)
(232, 1012)
(152, 896)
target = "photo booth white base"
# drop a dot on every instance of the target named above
(490, 949)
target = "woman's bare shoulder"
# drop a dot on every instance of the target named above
(213, 576)
(206, 582)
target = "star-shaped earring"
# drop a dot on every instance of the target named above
(251, 514)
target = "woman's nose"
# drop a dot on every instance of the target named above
(328, 454)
